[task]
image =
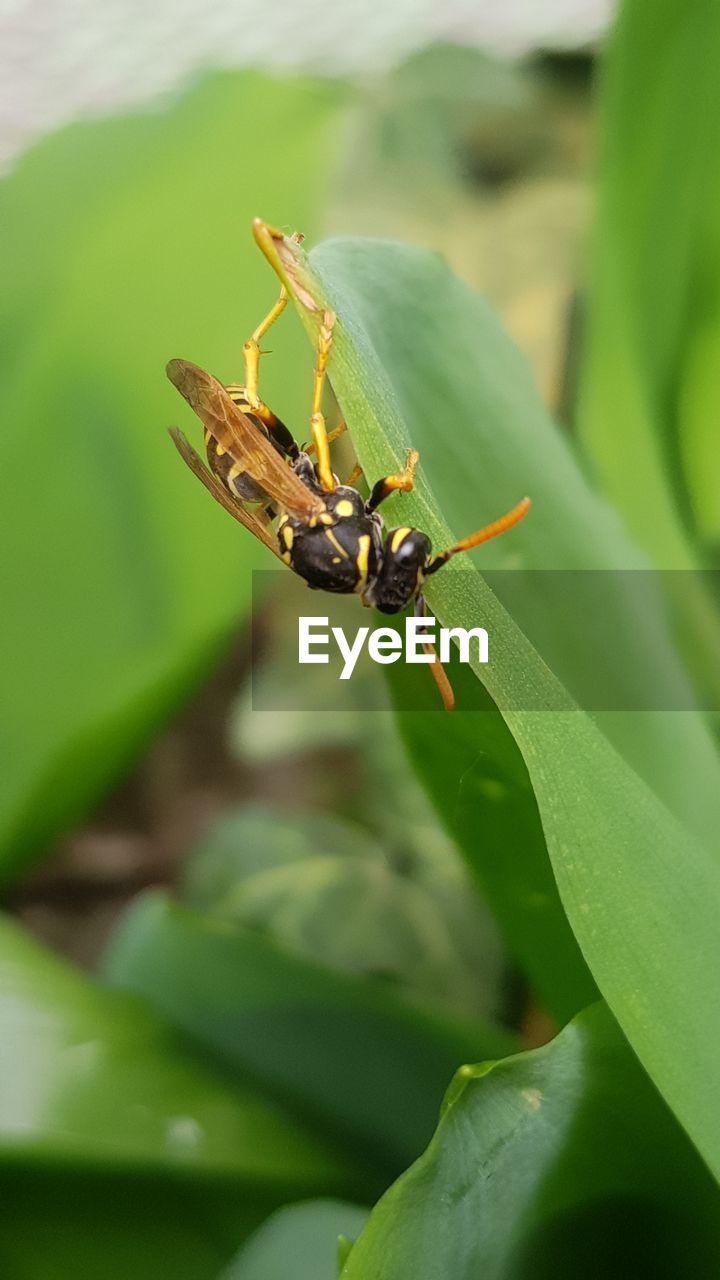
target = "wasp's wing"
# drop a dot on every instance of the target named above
(220, 493)
(238, 436)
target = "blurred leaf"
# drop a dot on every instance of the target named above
(250, 840)
(371, 781)
(303, 1238)
(649, 402)
(108, 1116)
(479, 784)
(413, 134)
(350, 1055)
(641, 892)
(127, 242)
(326, 890)
(108, 1224)
(561, 1162)
(655, 275)
(698, 417)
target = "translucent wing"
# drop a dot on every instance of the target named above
(237, 435)
(220, 493)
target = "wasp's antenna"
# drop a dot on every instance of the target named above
(481, 535)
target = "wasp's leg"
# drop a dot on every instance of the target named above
(317, 421)
(331, 435)
(337, 431)
(437, 671)
(340, 430)
(391, 484)
(252, 353)
(481, 535)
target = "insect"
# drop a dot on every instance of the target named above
(323, 530)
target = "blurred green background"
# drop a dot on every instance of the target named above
(243, 952)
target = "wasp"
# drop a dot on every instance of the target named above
(325, 531)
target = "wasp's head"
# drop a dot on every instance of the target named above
(401, 571)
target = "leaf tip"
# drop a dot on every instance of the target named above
(282, 252)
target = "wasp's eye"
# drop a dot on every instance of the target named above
(406, 550)
(408, 546)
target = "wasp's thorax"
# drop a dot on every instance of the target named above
(338, 550)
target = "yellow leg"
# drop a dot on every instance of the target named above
(354, 476)
(337, 431)
(332, 435)
(317, 421)
(437, 671)
(252, 353)
(403, 481)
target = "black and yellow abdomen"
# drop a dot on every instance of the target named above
(240, 484)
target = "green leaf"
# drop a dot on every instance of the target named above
(302, 1238)
(559, 1162)
(420, 359)
(352, 1056)
(649, 403)
(655, 279)
(639, 889)
(127, 242)
(108, 1115)
(250, 840)
(480, 786)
